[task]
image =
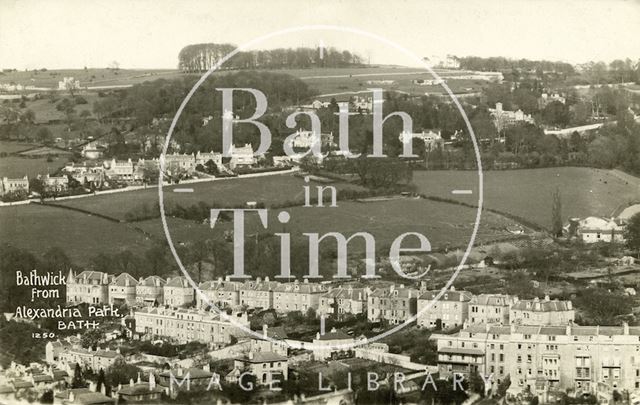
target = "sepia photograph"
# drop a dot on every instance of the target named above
(340, 202)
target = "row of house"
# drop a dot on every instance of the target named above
(186, 325)
(393, 304)
(95, 287)
(451, 308)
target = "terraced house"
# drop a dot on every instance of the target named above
(186, 325)
(339, 302)
(150, 290)
(542, 312)
(539, 358)
(297, 296)
(393, 304)
(91, 287)
(449, 311)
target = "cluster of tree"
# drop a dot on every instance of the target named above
(202, 57)
(599, 306)
(618, 71)
(493, 64)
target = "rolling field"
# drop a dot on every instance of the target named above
(276, 189)
(14, 147)
(325, 80)
(37, 228)
(443, 224)
(88, 77)
(14, 166)
(528, 193)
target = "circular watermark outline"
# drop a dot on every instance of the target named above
(309, 345)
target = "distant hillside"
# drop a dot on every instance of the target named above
(202, 57)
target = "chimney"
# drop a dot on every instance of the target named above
(453, 288)
(264, 330)
(546, 298)
(168, 280)
(569, 305)
(266, 279)
(207, 367)
(250, 355)
(131, 382)
(625, 327)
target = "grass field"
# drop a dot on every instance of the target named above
(325, 80)
(38, 228)
(442, 223)
(14, 166)
(528, 193)
(88, 77)
(14, 147)
(276, 189)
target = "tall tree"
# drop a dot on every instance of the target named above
(556, 214)
(78, 380)
(632, 234)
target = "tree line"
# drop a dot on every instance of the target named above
(202, 57)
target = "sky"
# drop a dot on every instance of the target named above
(150, 33)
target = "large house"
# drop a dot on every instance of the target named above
(542, 312)
(150, 290)
(490, 308)
(583, 358)
(258, 293)
(123, 170)
(393, 305)
(297, 296)
(221, 293)
(178, 292)
(448, 311)
(122, 290)
(432, 138)
(503, 119)
(12, 185)
(334, 344)
(342, 301)
(91, 287)
(595, 229)
(54, 183)
(242, 156)
(269, 368)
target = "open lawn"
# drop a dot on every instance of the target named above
(528, 193)
(7, 147)
(275, 189)
(14, 166)
(37, 228)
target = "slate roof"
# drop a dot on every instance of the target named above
(542, 305)
(263, 357)
(121, 280)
